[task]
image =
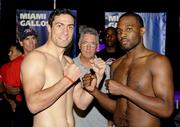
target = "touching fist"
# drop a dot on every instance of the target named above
(72, 71)
(99, 66)
(89, 81)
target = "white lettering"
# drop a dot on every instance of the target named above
(113, 18)
(32, 16)
(113, 24)
(33, 23)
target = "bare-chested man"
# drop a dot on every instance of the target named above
(49, 77)
(142, 80)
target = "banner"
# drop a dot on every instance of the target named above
(155, 26)
(38, 20)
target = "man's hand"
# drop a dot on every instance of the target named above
(99, 66)
(72, 71)
(89, 81)
(114, 87)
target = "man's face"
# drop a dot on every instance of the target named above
(29, 43)
(110, 38)
(62, 29)
(129, 32)
(88, 46)
(13, 52)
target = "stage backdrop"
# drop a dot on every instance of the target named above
(38, 20)
(155, 25)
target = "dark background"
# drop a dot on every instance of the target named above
(91, 13)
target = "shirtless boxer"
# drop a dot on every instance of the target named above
(142, 79)
(49, 77)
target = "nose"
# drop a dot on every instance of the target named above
(123, 34)
(89, 46)
(9, 54)
(65, 31)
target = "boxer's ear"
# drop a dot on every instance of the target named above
(142, 31)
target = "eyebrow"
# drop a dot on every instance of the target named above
(63, 23)
(87, 42)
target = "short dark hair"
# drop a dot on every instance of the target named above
(18, 46)
(113, 28)
(57, 12)
(138, 17)
(104, 33)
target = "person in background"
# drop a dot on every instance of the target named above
(15, 50)
(51, 80)
(11, 79)
(141, 79)
(93, 116)
(111, 52)
(112, 48)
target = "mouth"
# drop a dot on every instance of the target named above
(124, 41)
(63, 39)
